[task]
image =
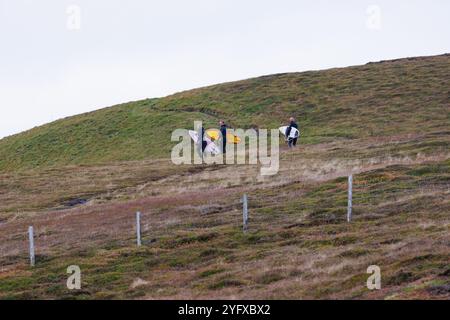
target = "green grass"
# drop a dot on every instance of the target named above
(382, 99)
(299, 244)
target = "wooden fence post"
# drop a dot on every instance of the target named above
(31, 239)
(138, 229)
(350, 196)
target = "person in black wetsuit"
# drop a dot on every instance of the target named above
(223, 131)
(292, 140)
(204, 143)
(200, 147)
(202, 137)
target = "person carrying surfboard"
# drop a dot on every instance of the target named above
(199, 138)
(204, 141)
(223, 131)
(292, 135)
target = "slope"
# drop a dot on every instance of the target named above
(377, 99)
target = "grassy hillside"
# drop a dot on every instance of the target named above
(377, 99)
(385, 123)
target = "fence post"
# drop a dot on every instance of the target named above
(350, 196)
(31, 239)
(245, 212)
(138, 228)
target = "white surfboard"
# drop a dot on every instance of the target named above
(211, 146)
(294, 132)
(193, 135)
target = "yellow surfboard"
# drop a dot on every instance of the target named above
(214, 134)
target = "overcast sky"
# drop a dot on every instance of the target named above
(60, 58)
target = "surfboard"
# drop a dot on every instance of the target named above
(211, 146)
(284, 128)
(214, 134)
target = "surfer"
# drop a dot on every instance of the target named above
(223, 131)
(201, 141)
(204, 142)
(292, 138)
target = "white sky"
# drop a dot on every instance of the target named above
(135, 49)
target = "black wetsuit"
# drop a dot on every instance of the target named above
(223, 131)
(292, 142)
(204, 143)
